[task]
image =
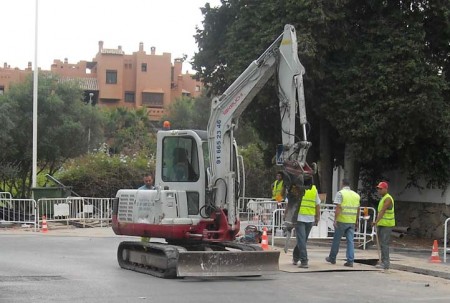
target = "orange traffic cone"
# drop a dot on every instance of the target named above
(44, 224)
(435, 253)
(265, 240)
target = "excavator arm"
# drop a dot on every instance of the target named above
(280, 59)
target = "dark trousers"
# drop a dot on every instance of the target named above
(384, 236)
(302, 230)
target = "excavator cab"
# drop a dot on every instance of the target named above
(181, 166)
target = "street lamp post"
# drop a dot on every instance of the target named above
(35, 102)
(89, 129)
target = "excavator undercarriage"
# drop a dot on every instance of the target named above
(202, 260)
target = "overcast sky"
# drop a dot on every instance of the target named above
(72, 28)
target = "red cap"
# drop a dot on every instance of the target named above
(383, 185)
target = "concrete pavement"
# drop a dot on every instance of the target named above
(405, 260)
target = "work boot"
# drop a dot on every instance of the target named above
(329, 260)
(348, 264)
(303, 265)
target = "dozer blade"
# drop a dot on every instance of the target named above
(227, 263)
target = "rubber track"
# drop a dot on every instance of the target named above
(169, 251)
(171, 254)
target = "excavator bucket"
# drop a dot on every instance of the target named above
(227, 263)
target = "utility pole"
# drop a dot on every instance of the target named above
(35, 101)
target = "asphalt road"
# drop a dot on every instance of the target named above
(39, 268)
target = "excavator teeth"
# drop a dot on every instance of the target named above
(226, 263)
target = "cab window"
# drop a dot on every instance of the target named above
(180, 160)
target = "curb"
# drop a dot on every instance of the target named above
(423, 271)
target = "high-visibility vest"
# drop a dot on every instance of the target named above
(349, 206)
(389, 215)
(277, 189)
(308, 205)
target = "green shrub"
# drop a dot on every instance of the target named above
(102, 175)
(258, 177)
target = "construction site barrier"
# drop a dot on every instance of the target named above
(325, 227)
(18, 211)
(446, 239)
(243, 204)
(4, 195)
(83, 210)
(260, 212)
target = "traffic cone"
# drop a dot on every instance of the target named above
(435, 253)
(265, 240)
(44, 224)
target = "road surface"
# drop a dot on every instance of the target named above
(42, 268)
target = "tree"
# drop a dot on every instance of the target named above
(390, 106)
(372, 67)
(63, 119)
(189, 113)
(129, 131)
(181, 114)
(253, 26)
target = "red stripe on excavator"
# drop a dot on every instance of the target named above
(173, 231)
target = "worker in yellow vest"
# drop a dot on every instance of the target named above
(278, 190)
(385, 221)
(278, 194)
(308, 214)
(345, 222)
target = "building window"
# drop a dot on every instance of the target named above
(2, 90)
(197, 88)
(144, 67)
(109, 100)
(153, 99)
(111, 77)
(129, 97)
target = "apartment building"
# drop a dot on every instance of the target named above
(116, 79)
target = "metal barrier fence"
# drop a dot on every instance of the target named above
(270, 214)
(445, 239)
(84, 210)
(325, 227)
(20, 211)
(4, 195)
(244, 201)
(81, 209)
(260, 212)
(5, 202)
